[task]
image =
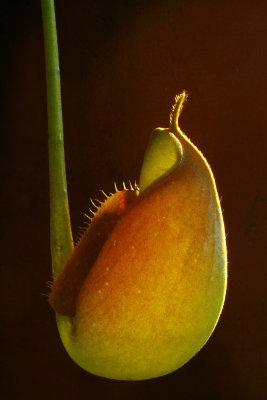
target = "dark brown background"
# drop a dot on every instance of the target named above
(122, 63)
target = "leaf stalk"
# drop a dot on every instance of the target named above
(61, 241)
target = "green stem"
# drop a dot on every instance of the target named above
(61, 241)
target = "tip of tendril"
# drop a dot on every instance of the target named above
(176, 110)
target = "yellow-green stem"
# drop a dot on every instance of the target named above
(61, 241)
(176, 111)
